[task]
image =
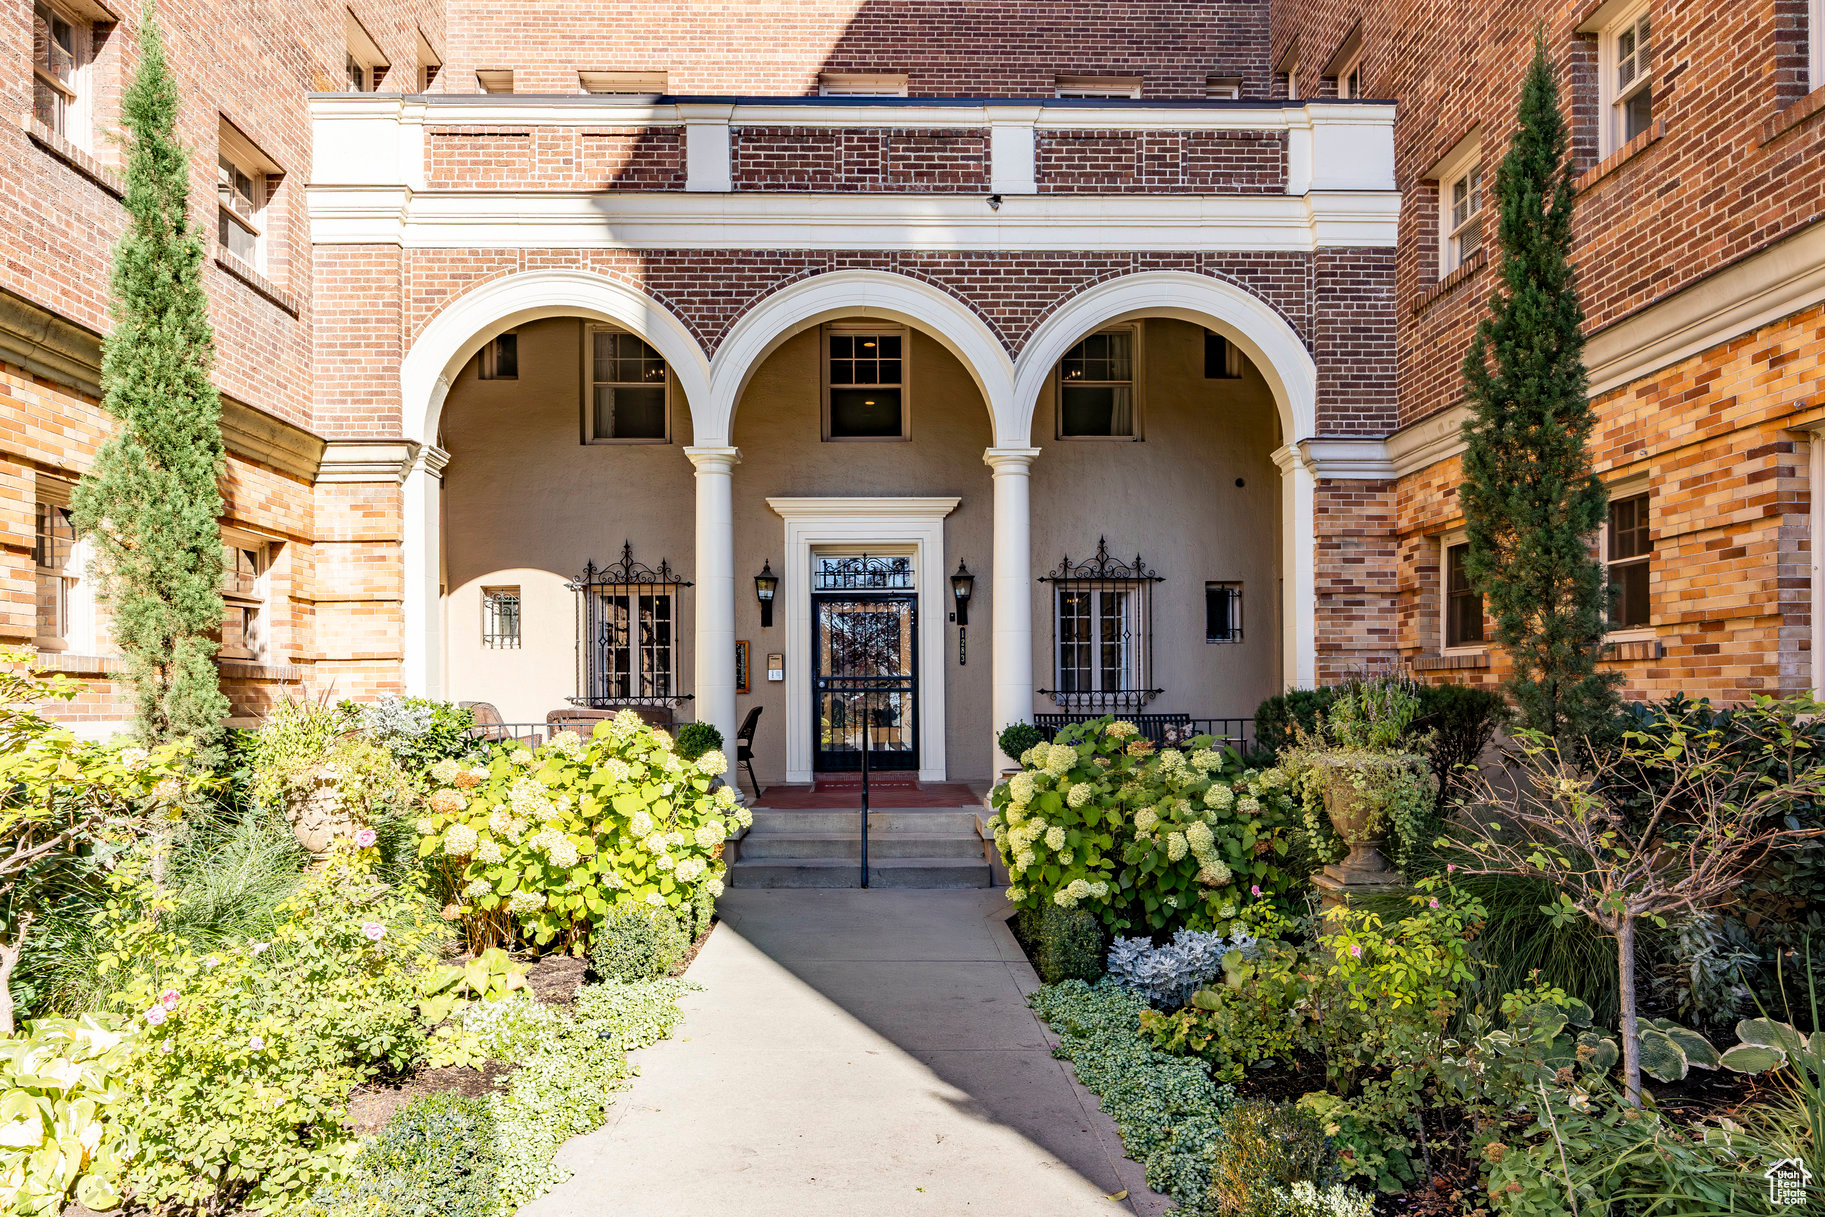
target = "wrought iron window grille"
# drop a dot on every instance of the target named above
(627, 634)
(863, 573)
(1102, 654)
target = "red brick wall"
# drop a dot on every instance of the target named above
(554, 158)
(945, 47)
(1161, 162)
(942, 160)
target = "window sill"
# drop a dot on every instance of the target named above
(1620, 157)
(1444, 287)
(254, 669)
(81, 665)
(1792, 116)
(1450, 661)
(75, 157)
(254, 279)
(1625, 647)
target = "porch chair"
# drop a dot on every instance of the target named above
(744, 746)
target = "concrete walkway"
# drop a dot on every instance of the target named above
(854, 1054)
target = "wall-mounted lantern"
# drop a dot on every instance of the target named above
(765, 585)
(963, 584)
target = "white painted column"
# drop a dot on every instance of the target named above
(1011, 628)
(1298, 579)
(422, 593)
(714, 688)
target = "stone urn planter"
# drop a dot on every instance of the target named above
(1359, 819)
(314, 809)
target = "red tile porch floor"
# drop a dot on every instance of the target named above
(841, 791)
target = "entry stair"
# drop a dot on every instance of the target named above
(907, 847)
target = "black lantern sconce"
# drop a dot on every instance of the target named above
(962, 585)
(765, 585)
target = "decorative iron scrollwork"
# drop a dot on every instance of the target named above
(863, 573)
(627, 641)
(1102, 569)
(626, 573)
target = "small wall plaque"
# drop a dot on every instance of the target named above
(776, 666)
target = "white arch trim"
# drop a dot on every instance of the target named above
(460, 330)
(1243, 318)
(852, 293)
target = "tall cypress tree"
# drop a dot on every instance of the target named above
(1532, 506)
(151, 500)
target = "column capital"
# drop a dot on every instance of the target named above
(1288, 457)
(714, 460)
(1010, 460)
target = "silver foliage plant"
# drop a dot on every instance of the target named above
(1168, 975)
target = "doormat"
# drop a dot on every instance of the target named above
(843, 782)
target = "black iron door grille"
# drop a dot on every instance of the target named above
(864, 682)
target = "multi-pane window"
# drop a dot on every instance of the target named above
(55, 51)
(244, 566)
(240, 200)
(1096, 387)
(1463, 602)
(499, 358)
(1630, 549)
(501, 617)
(627, 388)
(633, 644)
(864, 384)
(364, 64)
(1223, 359)
(1349, 77)
(1099, 648)
(53, 557)
(1222, 612)
(1628, 79)
(1464, 234)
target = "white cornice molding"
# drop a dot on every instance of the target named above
(543, 219)
(932, 508)
(374, 460)
(1347, 460)
(1428, 441)
(1775, 283)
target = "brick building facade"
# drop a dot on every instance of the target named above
(404, 195)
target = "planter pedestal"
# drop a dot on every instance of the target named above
(1364, 871)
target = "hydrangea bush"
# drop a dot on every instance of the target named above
(1149, 838)
(542, 843)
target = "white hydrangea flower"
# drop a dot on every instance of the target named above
(1060, 758)
(726, 797)
(655, 899)
(1080, 794)
(459, 840)
(1220, 797)
(566, 743)
(489, 851)
(1273, 779)
(1055, 837)
(523, 903)
(1215, 873)
(627, 718)
(1121, 728)
(425, 825)
(1200, 838)
(1175, 846)
(1025, 859)
(1145, 819)
(655, 843)
(1172, 760)
(689, 869)
(617, 770)
(476, 887)
(1027, 757)
(1248, 805)
(641, 823)
(1017, 894)
(500, 822)
(1065, 856)
(556, 846)
(135, 757)
(1100, 889)
(1205, 760)
(709, 835)
(521, 757)
(444, 771)
(744, 816)
(1020, 789)
(1228, 910)
(664, 862)
(1079, 888)
(712, 763)
(1063, 898)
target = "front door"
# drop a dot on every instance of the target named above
(864, 683)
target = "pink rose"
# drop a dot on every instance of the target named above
(374, 930)
(168, 999)
(1255, 890)
(1356, 951)
(1432, 903)
(1450, 867)
(155, 1015)
(365, 838)
(256, 1043)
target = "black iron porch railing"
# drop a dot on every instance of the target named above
(1164, 729)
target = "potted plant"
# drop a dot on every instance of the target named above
(1015, 740)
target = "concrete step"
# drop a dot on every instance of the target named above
(881, 845)
(833, 872)
(921, 821)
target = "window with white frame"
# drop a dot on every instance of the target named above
(1222, 612)
(1098, 86)
(430, 63)
(246, 563)
(244, 178)
(1626, 77)
(1223, 88)
(55, 565)
(865, 381)
(629, 622)
(364, 63)
(623, 84)
(1463, 624)
(501, 618)
(1349, 76)
(499, 358)
(1101, 631)
(1097, 387)
(862, 84)
(1460, 205)
(59, 53)
(1628, 548)
(629, 389)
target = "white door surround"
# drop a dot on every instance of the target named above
(880, 525)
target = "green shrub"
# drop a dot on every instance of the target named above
(637, 942)
(702, 910)
(540, 844)
(1278, 716)
(1461, 719)
(418, 731)
(1064, 944)
(435, 1158)
(1016, 738)
(695, 739)
(1148, 838)
(1265, 1147)
(60, 1131)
